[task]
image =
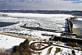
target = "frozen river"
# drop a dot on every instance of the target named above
(54, 23)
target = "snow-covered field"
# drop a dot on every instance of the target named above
(8, 42)
(34, 20)
(46, 21)
(54, 22)
(63, 51)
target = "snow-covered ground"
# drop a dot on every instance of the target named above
(8, 42)
(63, 51)
(57, 50)
(34, 20)
(47, 21)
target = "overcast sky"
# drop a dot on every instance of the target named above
(41, 4)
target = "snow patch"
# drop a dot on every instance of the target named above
(8, 41)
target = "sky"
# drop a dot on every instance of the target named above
(41, 5)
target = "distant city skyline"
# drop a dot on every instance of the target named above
(41, 4)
